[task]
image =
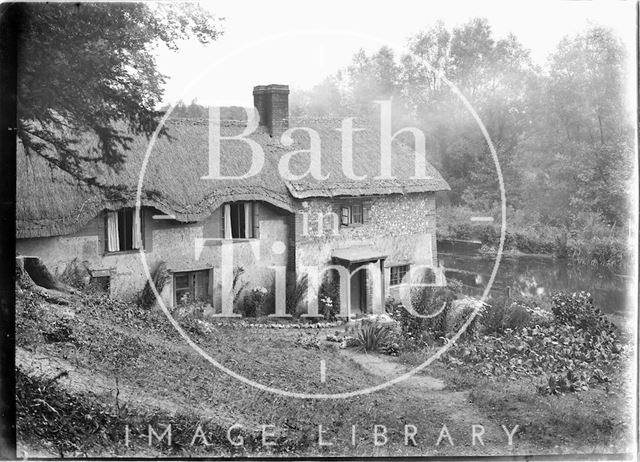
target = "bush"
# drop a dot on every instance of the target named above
(555, 349)
(513, 313)
(308, 341)
(329, 296)
(371, 337)
(237, 285)
(418, 331)
(296, 291)
(577, 310)
(75, 274)
(160, 276)
(253, 303)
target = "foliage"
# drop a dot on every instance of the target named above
(75, 274)
(160, 277)
(309, 341)
(371, 337)
(76, 424)
(253, 303)
(537, 351)
(80, 78)
(296, 292)
(565, 383)
(563, 132)
(577, 309)
(418, 331)
(393, 343)
(237, 286)
(329, 295)
(513, 313)
(583, 237)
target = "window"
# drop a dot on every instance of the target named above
(191, 286)
(354, 213)
(240, 220)
(397, 274)
(124, 230)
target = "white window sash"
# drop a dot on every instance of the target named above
(248, 220)
(345, 218)
(227, 221)
(137, 230)
(113, 239)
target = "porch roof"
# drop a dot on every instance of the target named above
(358, 254)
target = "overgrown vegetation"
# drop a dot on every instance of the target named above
(371, 337)
(585, 238)
(160, 277)
(577, 349)
(296, 292)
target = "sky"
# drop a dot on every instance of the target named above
(299, 43)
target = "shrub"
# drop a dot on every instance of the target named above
(517, 316)
(307, 341)
(537, 351)
(160, 276)
(425, 300)
(513, 313)
(371, 337)
(494, 315)
(329, 296)
(296, 292)
(253, 303)
(75, 274)
(577, 309)
(237, 285)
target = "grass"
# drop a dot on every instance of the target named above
(586, 239)
(126, 366)
(592, 421)
(600, 417)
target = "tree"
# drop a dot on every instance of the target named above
(90, 68)
(581, 142)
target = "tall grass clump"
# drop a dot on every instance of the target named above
(160, 276)
(371, 337)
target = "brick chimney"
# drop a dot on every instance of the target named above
(272, 103)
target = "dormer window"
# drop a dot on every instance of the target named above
(354, 213)
(240, 220)
(124, 230)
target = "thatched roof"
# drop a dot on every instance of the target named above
(50, 202)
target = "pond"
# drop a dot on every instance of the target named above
(537, 276)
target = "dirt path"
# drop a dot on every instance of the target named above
(381, 367)
(460, 414)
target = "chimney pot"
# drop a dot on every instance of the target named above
(272, 104)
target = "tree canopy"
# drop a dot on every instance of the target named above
(562, 131)
(90, 68)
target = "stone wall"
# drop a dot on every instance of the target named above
(169, 241)
(403, 227)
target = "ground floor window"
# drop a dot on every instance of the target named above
(397, 274)
(124, 230)
(192, 286)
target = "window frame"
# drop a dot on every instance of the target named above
(124, 211)
(237, 208)
(399, 269)
(191, 286)
(355, 213)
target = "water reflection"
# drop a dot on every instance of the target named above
(537, 276)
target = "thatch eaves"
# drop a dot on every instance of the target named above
(50, 202)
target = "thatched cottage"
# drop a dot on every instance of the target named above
(384, 225)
